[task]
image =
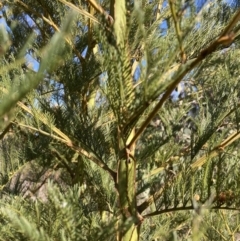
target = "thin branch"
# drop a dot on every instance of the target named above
(159, 6)
(51, 91)
(184, 209)
(177, 29)
(56, 28)
(99, 9)
(217, 231)
(78, 149)
(182, 71)
(90, 34)
(64, 139)
(216, 150)
(232, 24)
(63, 161)
(79, 10)
(112, 4)
(5, 131)
(153, 197)
(40, 131)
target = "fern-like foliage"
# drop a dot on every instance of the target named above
(138, 102)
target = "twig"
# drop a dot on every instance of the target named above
(79, 10)
(185, 208)
(6, 130)
(177, 29)
(216, 150)
(78, 149)
(51, 23)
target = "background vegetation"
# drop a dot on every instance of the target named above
(129, 111)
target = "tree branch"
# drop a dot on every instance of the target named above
(5, 131)
(184, 69)
(184, 209)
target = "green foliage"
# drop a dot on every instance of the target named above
(64, 217)
(142, 165)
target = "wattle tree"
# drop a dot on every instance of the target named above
(133, 106)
